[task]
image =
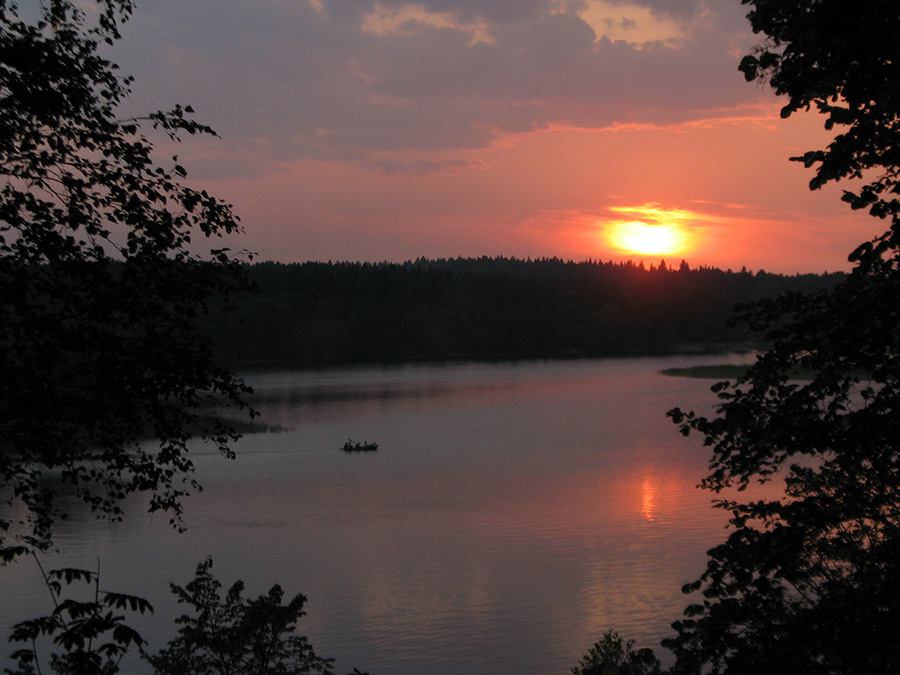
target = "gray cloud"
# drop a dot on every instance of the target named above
(315, 84)
(494, 11)
(420, 167)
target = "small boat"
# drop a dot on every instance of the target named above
(350, 446)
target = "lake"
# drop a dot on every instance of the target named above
(512, 514)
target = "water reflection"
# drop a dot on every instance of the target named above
(304, 397)
(648, 498)
(512, 514)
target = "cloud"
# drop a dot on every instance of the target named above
(418, 167)
(407, 20)
(379, 129)
(636, 25)
(343, 78)
(492, 11)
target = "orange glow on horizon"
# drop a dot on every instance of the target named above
(639, 237)
(654, 231)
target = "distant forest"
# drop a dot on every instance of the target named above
(312, 314)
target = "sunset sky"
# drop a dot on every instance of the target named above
(363, 130)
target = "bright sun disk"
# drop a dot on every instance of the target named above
(640, 237)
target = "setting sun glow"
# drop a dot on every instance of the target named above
(639, 237)
(654, 231)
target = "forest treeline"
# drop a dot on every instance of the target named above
(309, 314)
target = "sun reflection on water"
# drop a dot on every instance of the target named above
(648, 498)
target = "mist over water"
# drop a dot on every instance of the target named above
(512, 514)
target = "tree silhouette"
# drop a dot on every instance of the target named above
(100, 284)
(808, 582)
(612, 655)
(236, 635)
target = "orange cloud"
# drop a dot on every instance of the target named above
(410, 19)
(631, 23)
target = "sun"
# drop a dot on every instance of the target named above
(647, 239)
(651, 230)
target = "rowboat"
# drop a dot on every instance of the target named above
(350, 446)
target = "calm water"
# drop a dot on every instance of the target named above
(513, 513)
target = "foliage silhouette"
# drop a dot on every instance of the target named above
(100, 284)
(236, 636)
(101, 290)
(91, 635)
(808, 582)
(230, 636)
(841, 58)
(613, 656)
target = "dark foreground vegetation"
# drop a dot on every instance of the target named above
(487, 308)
